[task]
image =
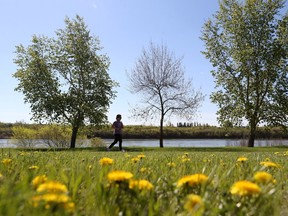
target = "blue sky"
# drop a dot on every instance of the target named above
(124, 28)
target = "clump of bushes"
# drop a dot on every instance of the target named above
(55, 136)
(24, 137)
(52, 136)
(96, 142)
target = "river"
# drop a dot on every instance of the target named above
(6, 143)
(197, 142)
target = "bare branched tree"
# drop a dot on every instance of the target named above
(160, 79)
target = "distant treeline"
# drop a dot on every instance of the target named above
(197, 132)
(170, 132)
(192, 124)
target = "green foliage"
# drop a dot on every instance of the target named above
(55, 136)
(52, 136)
(24, 137)
(210, 132)
(152, 132)
(5, 130)
(96, 142)
(279, 115)
(65, 79)
(246, 47)
(92, 193)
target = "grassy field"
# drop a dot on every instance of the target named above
(144, 181)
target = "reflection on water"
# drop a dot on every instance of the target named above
(4, 143)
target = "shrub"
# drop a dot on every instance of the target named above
(24, 137)
(55, 135)
(96, 142)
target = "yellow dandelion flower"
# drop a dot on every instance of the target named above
(143, 169)
(53, 197)
(263, 177)
(222, 163)
(22, 153)
(183, 181)
(184, 160)
(135, 159)
(171, 164)
(33, 167)
(245, 188)
(127, 155)
(6, 161)
(119, 176)
(1, 177)
(69, 206)
(141, 156)
(52, 187)
(140, 185)
(38, 180)
(205, 160)
(194, 204)
(145, 185)
(269, 164)
(242, 159)
(106, 161)
(192, 180)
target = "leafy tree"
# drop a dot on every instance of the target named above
(279, 116)
(65, 79)
(245, 43)
(160, 77)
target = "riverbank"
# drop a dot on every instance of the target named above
(202, 132)
(152, 132)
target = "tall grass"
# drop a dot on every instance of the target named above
(177, 189)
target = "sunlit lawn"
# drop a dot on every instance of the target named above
(148, 181)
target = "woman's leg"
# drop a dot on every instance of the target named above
(120, 142)
(114, 142)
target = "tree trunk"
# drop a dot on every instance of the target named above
(161, 133)
(252, 135)
(74, 135)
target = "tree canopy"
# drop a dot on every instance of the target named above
(246, 41)
(65, 79)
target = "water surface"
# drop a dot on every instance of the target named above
(4, 143)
